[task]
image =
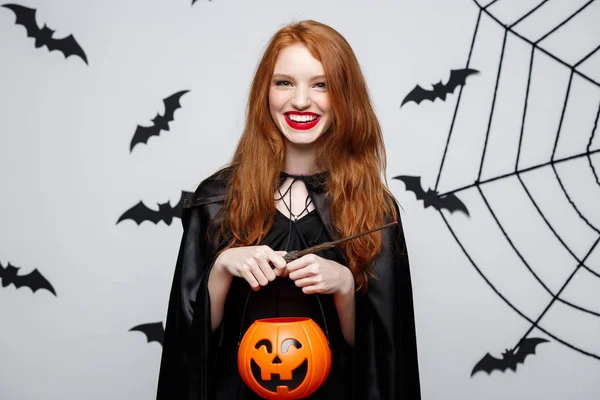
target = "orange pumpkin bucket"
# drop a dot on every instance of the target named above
(284, 358)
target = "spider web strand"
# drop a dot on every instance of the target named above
(508, 303)
(537, 278)
(557, 27)
(586, 57)
(581, 74)
(457, 102)
(527, 15)
(524, 170)
(537, 321)
(562, 187)
(590, 145)
(525, 108)
(554, 231)
(562, 115)
(487, 133)
(491, 4)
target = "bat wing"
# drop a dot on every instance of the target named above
(451, 203)
(68, 46)
(26, 17)
(154, 331)
(418, 94)
(172, 104)
(527, 347)
(413, 183)
(140, 213)
(488, 364)
(458, 77)
(34, 280)
(142, 134)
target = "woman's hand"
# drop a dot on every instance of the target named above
(315, 274)
(252, 264)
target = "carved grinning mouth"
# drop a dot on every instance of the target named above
(298, 376)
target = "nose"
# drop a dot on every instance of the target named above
(301, 99)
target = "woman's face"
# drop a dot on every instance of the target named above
(298, 96)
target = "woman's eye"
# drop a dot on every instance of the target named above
(282, 83)
(321, 85)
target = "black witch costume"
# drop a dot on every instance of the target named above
(198, 364)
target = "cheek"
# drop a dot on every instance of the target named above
(324, 104)
(277, 100)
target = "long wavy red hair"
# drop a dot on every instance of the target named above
(352, 151)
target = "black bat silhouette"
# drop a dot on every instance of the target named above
(458, 77)
(161, 122)
(509, 359)
(33, 280)
(431, 197)
(154, 331)
(193, 1)
(166, 212)
(43, 36)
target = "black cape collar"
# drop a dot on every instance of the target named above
(316, 182)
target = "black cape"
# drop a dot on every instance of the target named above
(385, 364)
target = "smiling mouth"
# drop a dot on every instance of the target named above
(302, 122)
(298, 376)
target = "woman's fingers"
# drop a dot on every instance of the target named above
(257, 272)
(262, 266)
(246, 273)
(265, 268)
(277, 262)
(311, 280)
(309, 270)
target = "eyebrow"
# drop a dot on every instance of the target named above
(284, 76)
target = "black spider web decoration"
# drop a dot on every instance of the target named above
(525, 344)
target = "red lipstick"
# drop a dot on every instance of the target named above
(302, 126)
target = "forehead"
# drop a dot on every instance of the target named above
(296, 60)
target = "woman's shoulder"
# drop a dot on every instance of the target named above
(212, 189)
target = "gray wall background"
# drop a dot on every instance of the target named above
(67, 175)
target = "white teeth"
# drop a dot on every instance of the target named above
(301, 118)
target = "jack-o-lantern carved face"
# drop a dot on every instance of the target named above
(281, 358)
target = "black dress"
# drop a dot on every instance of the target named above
(281, 298)
(197, 364)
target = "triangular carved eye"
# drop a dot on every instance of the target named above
(289, 342)
(266, 343)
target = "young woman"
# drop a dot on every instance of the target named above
(309, 168)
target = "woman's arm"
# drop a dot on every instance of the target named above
(251, 263)
(315, 274)
(344, 303)
(219, 282)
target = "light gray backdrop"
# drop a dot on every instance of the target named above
(481, 282)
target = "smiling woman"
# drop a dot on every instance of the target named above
(309, 168)
(298, 98)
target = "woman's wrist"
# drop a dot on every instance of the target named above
(220, 271)
(347, 285)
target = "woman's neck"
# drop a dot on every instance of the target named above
(300, 160)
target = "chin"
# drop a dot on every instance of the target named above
(299, 138)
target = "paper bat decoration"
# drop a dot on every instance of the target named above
(140, 212)
(510, 359)
(33, 280)
(154, 331)
(458, 77)
(161, 122)
(43, 36)
(430, 197)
